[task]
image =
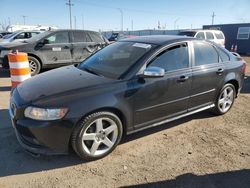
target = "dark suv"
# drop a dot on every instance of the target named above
(56, 48)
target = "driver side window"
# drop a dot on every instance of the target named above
(173, 58)
(61, 37)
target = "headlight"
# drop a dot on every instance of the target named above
(45, 114)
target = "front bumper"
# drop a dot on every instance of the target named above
(42, 137)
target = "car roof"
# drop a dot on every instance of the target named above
(157, 39)
(56, 30)
(198, 30)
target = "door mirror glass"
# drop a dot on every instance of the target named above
(153, 72)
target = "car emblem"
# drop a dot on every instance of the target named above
(14, 109)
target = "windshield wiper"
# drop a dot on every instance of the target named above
(90, 70)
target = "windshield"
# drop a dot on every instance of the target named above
(38, 37)
(114, 60)
(9, 35)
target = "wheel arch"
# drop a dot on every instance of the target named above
(235, 83)
(38, 58)
(114, 110)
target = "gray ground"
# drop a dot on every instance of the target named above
(198, 151)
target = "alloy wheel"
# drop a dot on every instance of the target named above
(226, 99)
(100, 136)
(33, 66)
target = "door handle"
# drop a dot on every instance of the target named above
(183, 78)
(220, 71)
(66, 47)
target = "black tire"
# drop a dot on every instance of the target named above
(88, 126)
(218, 105)
(35, 66)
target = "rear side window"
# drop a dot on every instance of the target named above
(95, 37)
(173, 58)
(200, 35)
(80, 36)
(223, 55)
(209, 35)
(204, 53)
(219, 35)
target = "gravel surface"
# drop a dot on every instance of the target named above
(201, 150)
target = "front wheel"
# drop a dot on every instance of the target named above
(97, 135)
(225, 99)
(35, 66)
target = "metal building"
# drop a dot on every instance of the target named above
(235, 34)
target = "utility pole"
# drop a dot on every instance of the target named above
(213, 15)
(175, 22)
(82, 22)
(70, 18)
(121, 18)
(24, 17)
(9, 20)
(132, 25)
(75, 21)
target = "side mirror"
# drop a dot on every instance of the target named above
(153, 72)
(42, 43)
(45, 41)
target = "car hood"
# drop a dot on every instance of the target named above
(58, 81)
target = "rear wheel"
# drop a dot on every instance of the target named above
(35, 66)
(225, 99)
(97, 135)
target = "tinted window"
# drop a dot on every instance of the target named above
(209, 35)
(219, 35)
(95, 37)
(80, 36)
(204, 53)
(223, 55)
(200, 35)
(173, 58)
(187, 33)
(60, 37)
(114, 60)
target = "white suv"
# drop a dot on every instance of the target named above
(216, 36)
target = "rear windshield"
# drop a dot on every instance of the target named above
(114, 60)
(187, 33)
(219, 35)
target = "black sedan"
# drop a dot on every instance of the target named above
(126, 87)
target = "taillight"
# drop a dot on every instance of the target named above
(244, 69)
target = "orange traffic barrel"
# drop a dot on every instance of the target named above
(19, 67)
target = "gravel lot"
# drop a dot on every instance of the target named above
(202, 150)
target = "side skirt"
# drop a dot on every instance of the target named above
(171, 119)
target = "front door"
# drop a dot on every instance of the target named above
(159, 98)
(58, 49)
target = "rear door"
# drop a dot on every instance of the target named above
(207, 75)
(58, 49)
(165, 97)
(84, 44)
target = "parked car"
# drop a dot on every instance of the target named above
(55, 48)
(116, 36)
(3, 33)
(215, 36)
(126, 87)
(18, 36)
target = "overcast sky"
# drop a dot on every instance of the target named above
(106, 14)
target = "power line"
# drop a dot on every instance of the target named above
(70, 18)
